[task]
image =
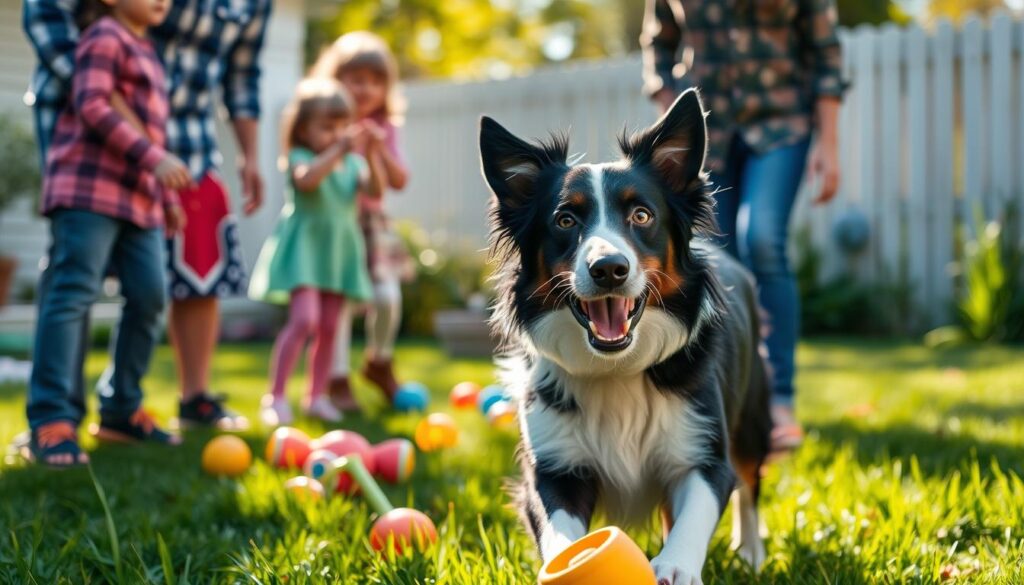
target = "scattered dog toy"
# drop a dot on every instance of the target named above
(288, 448)
(501, 414)
(411, 396)
(396, 527)
(437, 431)
(464, 394)
(488, 396)
(226, 456)
(393, 460)
(346, 443)
(305, 488)
(604, 557)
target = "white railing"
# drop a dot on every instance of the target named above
(932, 124)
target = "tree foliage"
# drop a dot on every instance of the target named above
(958, 9)
(495, 38)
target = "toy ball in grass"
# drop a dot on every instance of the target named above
(394, 460)
(305, 488)
(411, 396)
(464, 394)
(488, 396)
(400, 528)
(318, 462)
(226, 455)
(343, 443)
(437, 431)
(501, 414)
(288, 448)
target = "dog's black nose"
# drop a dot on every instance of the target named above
(610, 271)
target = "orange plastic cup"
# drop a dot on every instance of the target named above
(603, 557)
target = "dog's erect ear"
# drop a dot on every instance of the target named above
(675, 145)
(511, 165)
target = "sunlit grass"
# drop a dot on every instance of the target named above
(911, 472)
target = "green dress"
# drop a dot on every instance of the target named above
(317, 242)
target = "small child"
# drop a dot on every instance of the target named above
(364, 64)
(108, 192)
(316, 257)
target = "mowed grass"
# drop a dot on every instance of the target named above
(911, 474)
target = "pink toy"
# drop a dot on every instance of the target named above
(394, 460)
(288, 448)
(463, 395)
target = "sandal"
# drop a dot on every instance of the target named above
(55, 445)
(135, 428)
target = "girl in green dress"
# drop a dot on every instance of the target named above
(316, 257)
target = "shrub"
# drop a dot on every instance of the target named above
(990, 291)
(19, 175)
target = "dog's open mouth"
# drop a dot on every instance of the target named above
(609, 321)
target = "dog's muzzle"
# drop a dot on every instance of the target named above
(609, 321)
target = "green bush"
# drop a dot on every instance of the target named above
(845, 304)
(446, 278)
(990, 291)
(19, 175)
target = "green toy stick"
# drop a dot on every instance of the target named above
(357, 470)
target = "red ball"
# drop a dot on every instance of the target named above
(346, 444)
(463, 395)
(394, 459)
(401, 527)
(288, 448)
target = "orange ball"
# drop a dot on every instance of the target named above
(463, 395)
(288, 448)
(401, 527)
(305, 488)
(501, 414)
(227, 456)
(437, 431)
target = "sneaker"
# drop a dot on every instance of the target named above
(275, 411)
(322, 408)
(206, 410)
(340, 393)
(135, 428)
(381, 373)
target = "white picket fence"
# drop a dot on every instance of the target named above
(933, 123)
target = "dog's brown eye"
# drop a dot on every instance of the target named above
(565, 221)
(641, 216)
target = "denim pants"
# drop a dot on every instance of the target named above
(84, 245)
(756, 193)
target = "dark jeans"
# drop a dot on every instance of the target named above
(83, 245)
(756, 196)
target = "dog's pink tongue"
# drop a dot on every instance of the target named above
(609, 316)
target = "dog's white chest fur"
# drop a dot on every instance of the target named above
(637, 439)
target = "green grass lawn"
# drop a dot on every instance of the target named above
(913, 465)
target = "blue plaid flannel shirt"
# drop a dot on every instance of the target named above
(204, 45)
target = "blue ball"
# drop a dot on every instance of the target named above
(411, 396)
(489, 396)
(852, 231)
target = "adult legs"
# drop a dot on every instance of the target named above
(768, 189)
(193, 325)
(726, 183)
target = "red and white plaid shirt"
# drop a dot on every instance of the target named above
(98, 161)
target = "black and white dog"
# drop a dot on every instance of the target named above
(635, 346)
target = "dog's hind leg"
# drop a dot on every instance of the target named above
(557, 508)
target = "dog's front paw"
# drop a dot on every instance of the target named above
(671, 572)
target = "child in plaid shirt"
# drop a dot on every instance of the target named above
(109, 193)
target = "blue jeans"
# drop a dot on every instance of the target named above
(84, 245)
(756, 196)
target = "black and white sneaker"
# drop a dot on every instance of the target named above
(206, 410)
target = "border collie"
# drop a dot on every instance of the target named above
(634, 346)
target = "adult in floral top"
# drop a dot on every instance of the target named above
(769, 72)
